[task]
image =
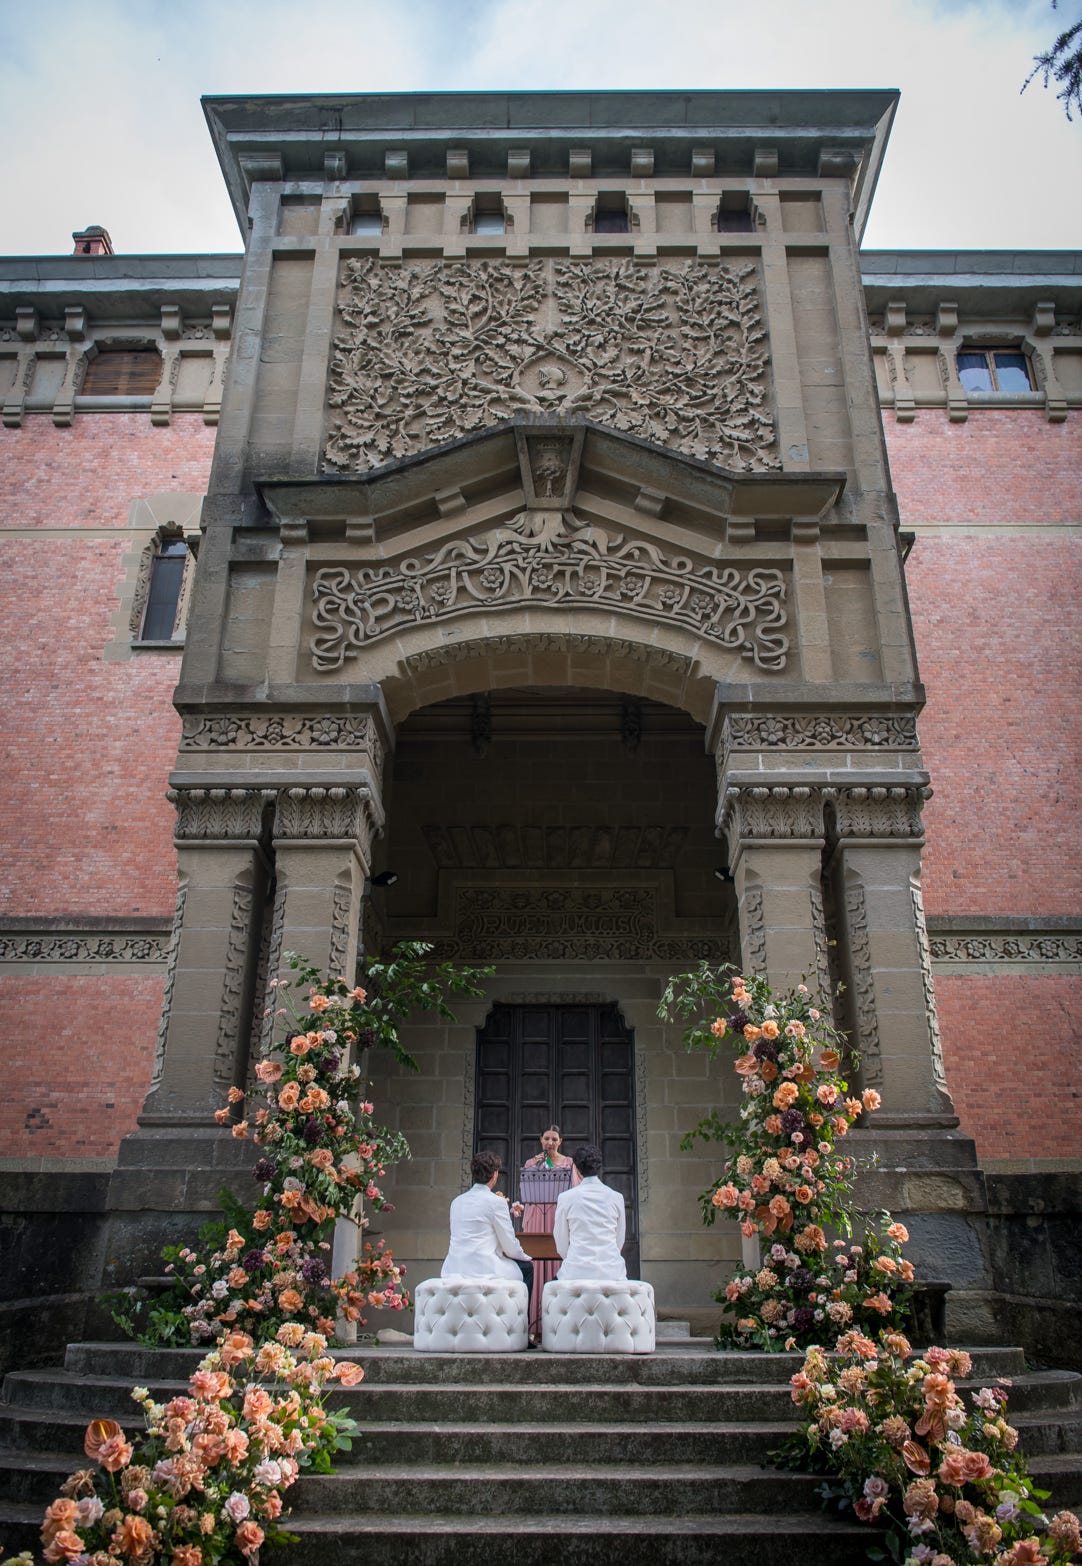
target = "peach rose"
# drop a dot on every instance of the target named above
(64, 1546)
(770, 1029)
(772, 1125)
(870, 1099)
(248, 1537)
(319, 1003)
(268, 1071)
(262, 1219)
(289, 1096)
(718, 1027)
(134, 1536)
(299, 1045)
(751, 1032)
(290, 1301)
(785, 1096)
(221, 1116)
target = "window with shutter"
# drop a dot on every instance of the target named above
(123, 372)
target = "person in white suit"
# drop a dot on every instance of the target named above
(590, 1224)
(483, 1242)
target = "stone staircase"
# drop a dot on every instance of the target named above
(526, 1457)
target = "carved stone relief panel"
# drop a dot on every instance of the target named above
(779, 811)
(820, 731)
(539, 923)
(431, 351)
(549, 559)
(939, 1070)
(550, 641)
(218, 814)
(860, 960)
(614, 846)
(170, 982)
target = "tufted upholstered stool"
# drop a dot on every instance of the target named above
(591, 1316)
(471, 1315)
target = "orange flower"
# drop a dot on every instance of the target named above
(300, 1044)
(58, 1516)
(899, 1232)
(785, 1096)
(240, 1130)
(262, 1219)
(268, 1071)
(186, 1555)
(746, 1066)
(779, 1206)
(357, 994)
(248, 1537)
(237, 1347)
(718, 1026)
(772, 1124)
(65, 1546)
(349, 1374)
(134, 1536)
(221, 1116)
(770, 1029)
(289, 1097)
(870, 1099)
(878, 1302)
(795, 1030)
(319, 1003)
(290, 1301)
(725, 1196)
(916, 1459)
(829, 1060)
(98, 1431)
(751, 1032)
(804, 1193)
(768, 1070)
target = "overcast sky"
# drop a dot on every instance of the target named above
(101, 120)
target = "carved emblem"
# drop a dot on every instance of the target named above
(549, 558)
(433, 351)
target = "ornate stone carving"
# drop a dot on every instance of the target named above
(860, 961)
(170, 982)
(779, 811)
(879, 812)
(84, 946)
(551, 641)
(754, 942)
(549, 559)
(218, 814)
(554, 847)
(642, 1146)
(554, 998)
(1007, 946)
(820, 731)
(939, 1071)
(429, 352)
(281, 731)
(567, 924)
(469, 1074)
(233, 984)
(819, 936)
(339, 812)
(341, 908)
(274, 961)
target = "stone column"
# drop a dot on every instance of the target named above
(775, 836)
(204, 1030)
(323, 844)
(883, 945)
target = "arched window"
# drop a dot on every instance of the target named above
(163, 592)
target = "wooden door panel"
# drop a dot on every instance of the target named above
(570, 1064)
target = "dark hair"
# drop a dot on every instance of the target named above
(483, 1166)
(588, 1160)
(546, 1129)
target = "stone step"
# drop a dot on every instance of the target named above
(465, 1539)
(515, 1489)
(692, 1360)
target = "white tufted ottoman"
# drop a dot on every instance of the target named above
(590, 1316)
(471, 1315)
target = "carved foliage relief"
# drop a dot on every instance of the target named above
(549, 558)
(429, 352)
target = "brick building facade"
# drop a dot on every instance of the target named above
(549, 781)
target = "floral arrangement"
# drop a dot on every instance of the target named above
(787, 1179)
(939, 1471)
(204, 1482)
(321, 1155)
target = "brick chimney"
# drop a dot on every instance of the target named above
(93, 241)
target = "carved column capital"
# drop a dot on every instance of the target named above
(777, 812)
(319, 813)
(218, 814)
(888, 811)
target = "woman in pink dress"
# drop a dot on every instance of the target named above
(539, 1217)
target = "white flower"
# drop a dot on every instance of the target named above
(237, 1506)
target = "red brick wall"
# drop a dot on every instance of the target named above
(999, 645)
(85, 749)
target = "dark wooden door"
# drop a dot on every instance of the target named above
(572, 1065)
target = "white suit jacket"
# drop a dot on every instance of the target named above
(589, 1231)
(480, 1230)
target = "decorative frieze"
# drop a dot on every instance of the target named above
(549, 559)
(279, 731)
(939, 1070)
(781, 811)
(820, 731)
(1032, 947)
(429, 352)
(567, 924)
(508, 847)
(84, 946)
(218, 814)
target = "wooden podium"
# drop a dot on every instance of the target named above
(539, 1187)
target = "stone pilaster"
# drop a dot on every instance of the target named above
(775, 837)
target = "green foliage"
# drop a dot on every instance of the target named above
(1062, 63)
